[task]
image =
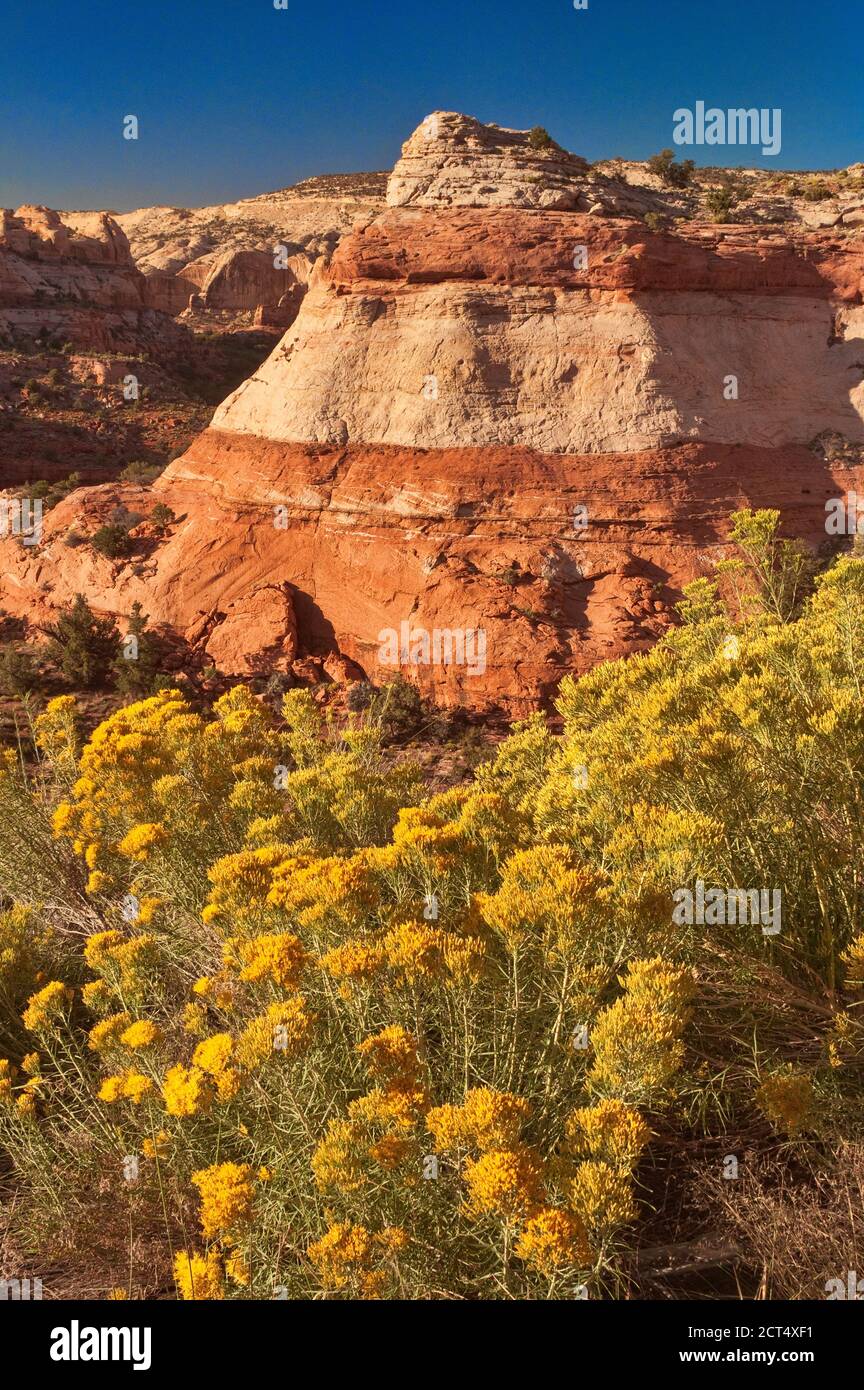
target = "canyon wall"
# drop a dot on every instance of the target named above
(73, 279)
(218, 264)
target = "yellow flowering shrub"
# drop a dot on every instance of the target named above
(46, 1007)
(553, 1238)
(788, 1100)
(388, 1045)
(199, 1277)
(349, 1257)
(226, 1197)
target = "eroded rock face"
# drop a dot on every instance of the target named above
(453, 329)
(256, 634)
(455, 161)
(39, 233)
(73, 279)
(526, 423)
(225, 254)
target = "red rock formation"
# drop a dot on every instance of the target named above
(73, 279)
(508, 421)
(234, 281)
(225, 254)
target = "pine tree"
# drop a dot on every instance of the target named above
(136, 665)
(82, 645)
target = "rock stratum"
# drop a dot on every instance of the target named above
(493, 413)
(79, 324)
(219, 263)
(73, 278)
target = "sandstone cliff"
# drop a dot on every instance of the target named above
(507, 417)
(77, 323)
(217, 263)
(73, 278)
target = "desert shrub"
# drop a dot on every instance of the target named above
(458, 1045)
(82, 644)
(673, 175)
(816, 191)
(162, 516)
(720, 202)
(140, 471)
(399, 707)
(18, 669)
(112, 540)
(122, 516)
(50, 493)
(360, 696)
(539, 138)
(136, 665)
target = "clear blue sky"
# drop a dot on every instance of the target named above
(236, 98)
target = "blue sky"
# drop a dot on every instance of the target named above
(236, 98)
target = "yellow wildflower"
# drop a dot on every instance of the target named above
(505, 1183)
(353, 960)
(602, 1197)
(214, 1053)
(108, 1032)
(392, 1056)
(46, 1007)
(157, 1147)
(141, 1033)
(199, 1277)
(187, 1091)
(788, 1100)
(98, 996)
(283, 1031)
(349, 1255)
(338, 1160)
(279, 958)
(487, 1119)
(553, 1238)
(226, 1197)
(415, 951)
(130, 1085)
(611, 1131)
(141, 840)
(194, 1019)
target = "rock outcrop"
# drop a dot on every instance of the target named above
(454, 161)
(72, 278)
(218, 263)
(508, 420)
(92, 375)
